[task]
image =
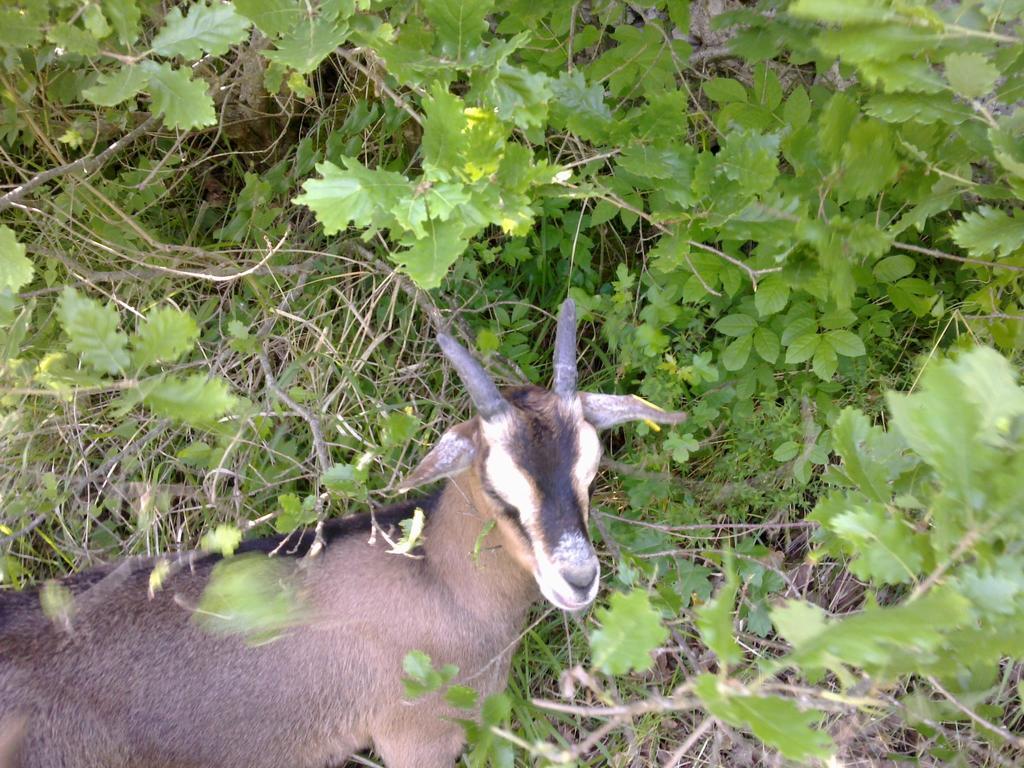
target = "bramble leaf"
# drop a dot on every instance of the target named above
(113, 88)
(182, 101)
(94, 332)
(776, 721)
(167, 334)
(15, 267)
(989, 231)
(630, 629)
(211, 29)
(195, 399)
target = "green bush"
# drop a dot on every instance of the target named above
(230, 227)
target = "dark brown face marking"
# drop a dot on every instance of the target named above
(533, 465)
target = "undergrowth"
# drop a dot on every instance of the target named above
(230, 232)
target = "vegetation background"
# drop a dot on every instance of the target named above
(229, 230)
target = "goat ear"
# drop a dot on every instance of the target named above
(453, 453)
(605, 411)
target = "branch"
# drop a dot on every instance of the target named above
(89, 164)
(952, 257)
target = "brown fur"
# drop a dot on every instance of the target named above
(136, 683)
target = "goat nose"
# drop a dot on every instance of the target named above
(580, 577)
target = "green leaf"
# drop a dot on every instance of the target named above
(273, 17)
(224, 540)
(347, 480)
(428, 259)
(888, 550)
(786, 451)
(846, 343)
(461, 696)
(195, 399)
(766, 344)
(736, 325)
(167, 334)
(797, 110)
(15, 268)
(776, 721)
(207, 28)
(309, 44)
(630, 629)
(750, 159)
(715, 617)
(989, 231)
(421, 676)
(802, 348)
(124, 16)
(94, 331)
(772, 295)
(736, 354)
(885, 641)
(356, 194)
(857, 442)
(869, 159)
(251, 595)
(724, 90)
(970, 74)
(842, 11)
(113, 88)
(578, 106)
(459, 24)
(183, 102)
(825, 361)
(893, 268)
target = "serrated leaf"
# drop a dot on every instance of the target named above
(15, 267)
(113, 88)
(428, 259)
(630, 629)
(195, 399)
(825, 361)
(183, 102)
(885, 641)
(580, 106)
(224, 540)
(888, 551)
(989, 230)
(273, 17)
(766, 344)
(715, 620)
(94, 332)
(312, 41)
(73, 39)
(797, 110)
(515, 94)
(750, 159)
(893, 268)
(735, 355)
(855, 440)
(736, 324)
(167, 334)
(355, 195)
(250, 595)
(724, 90)
(207, 28)
(772, 295)
(124, 16)
(802, 348)
(459, 24)
(869, 159)
(776, 721)
(845, 343)
(970, 74)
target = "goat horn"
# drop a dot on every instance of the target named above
(482, 390)
(565, 351)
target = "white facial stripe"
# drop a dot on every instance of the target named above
(512, 483)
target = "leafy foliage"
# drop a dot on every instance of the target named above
(774, 216)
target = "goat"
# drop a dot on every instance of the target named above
(130, 678)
